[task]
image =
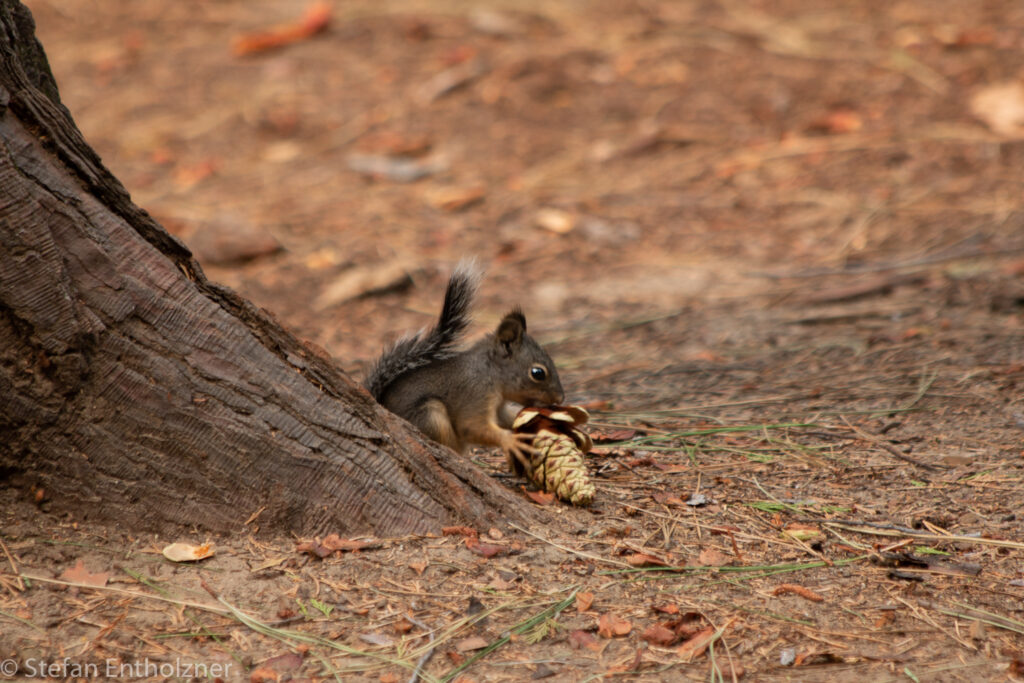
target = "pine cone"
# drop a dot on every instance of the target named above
(559, 465)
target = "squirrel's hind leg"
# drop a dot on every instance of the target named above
(432, 417)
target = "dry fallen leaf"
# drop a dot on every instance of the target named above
(786, 588)
(1001, 108)
(313, 548)
(184, 552)
(841, 120)
(471, 643)
(735, 671)
(314, 20)
(454, 199)
(712, 557)
(687, 625)
(263, 675)
(335, 542)
(540, 497)
(187, 177)
(695, 646)
(579, 640)
(646, 560)
(377, 639)
(79, 574)
(707, 355)
(487, 550)
(817, 658)
(467, 531)
(610, 626)
(230, 241)
(605, 436)
(663, 498)
(659, 634)
(887, 617)
(977, 630)
(365, 280)
(495, 23)
(555, 220)
(629, 663)
(583, 601)
(500, 584)
(395, 144)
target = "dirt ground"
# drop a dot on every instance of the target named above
(777, 248)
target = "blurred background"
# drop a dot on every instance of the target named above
(612, 163)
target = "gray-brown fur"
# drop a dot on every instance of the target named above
(415, 351)
(461, 397)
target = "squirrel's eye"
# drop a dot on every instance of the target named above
(538, 373)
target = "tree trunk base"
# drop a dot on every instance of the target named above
(133, 389)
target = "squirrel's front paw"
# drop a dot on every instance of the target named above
(518, 450)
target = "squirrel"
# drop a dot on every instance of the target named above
(463, 397)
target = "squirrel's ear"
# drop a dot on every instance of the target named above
(510, 332)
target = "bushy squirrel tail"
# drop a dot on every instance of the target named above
(412, 352)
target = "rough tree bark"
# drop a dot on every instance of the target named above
(132, 388)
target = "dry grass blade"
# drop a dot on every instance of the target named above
(916, 612)
(729, 429)
(26, 622)
(425, 657)
(133, 594)
(976, 614)
(589, 556)
(14, 568)
(888, 447)
(292, 637)
(953, 538)
(522, 627)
